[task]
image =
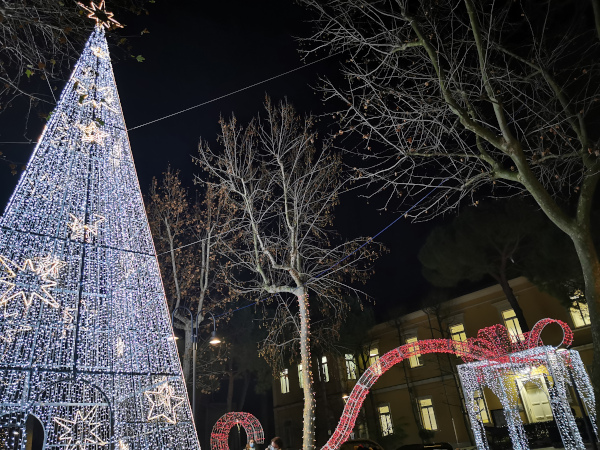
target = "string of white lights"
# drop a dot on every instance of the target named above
(550, 370)
(86, 344)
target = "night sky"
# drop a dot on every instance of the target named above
(197, 51)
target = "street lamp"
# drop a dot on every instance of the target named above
(214, 340)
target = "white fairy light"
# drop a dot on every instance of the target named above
(539, 365)
(83, 316)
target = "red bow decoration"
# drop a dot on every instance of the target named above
(496, 343)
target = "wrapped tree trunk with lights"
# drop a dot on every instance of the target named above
(284, 190)
(476, 100)
(86, 344)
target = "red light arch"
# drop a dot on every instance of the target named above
(220, 432)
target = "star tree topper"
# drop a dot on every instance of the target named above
(102, 17)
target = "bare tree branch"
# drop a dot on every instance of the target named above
(285, 190)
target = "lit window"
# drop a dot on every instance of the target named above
(427, 414)
(579, 311)
(385, 419)
(373, 355)
(374, 360)
(512, 325)
(457, 334)
(351, 371)
(285, 381)
(324, 370)
(415, 359)
(300, 379)
(481, 409)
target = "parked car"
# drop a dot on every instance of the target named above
(355, 444)
(438, 445)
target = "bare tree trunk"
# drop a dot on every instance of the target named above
(230, 385)
(457, 384)
(329, 420)
(596, 6)
(409, 386)
(308, 415)
(244, 391)
(512, 300)
(588, 257)
(187, 355)
(174, 265)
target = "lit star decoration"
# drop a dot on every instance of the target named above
(163, 403)
(97, 97)
(27, 282)
(92, 134)
(123, 445)
(80, 231)
(99, 52)
(49, 264)
(102, 17)
(80, 432)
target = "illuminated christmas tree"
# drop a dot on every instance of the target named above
(86, 344)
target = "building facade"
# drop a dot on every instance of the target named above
(421, 398)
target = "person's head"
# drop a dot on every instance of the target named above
(276, 443)
(251, 443)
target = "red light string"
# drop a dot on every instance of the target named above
(220, 432)
(493, 344)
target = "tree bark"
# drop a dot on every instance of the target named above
(329, 420)
(244, 391)
(512, 300)
(187, 355)
(308, 415)
(596, 6)
(590, 266)
(457, 385)
(409, 386)
(230, 386)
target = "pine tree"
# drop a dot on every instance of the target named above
(86, 344)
